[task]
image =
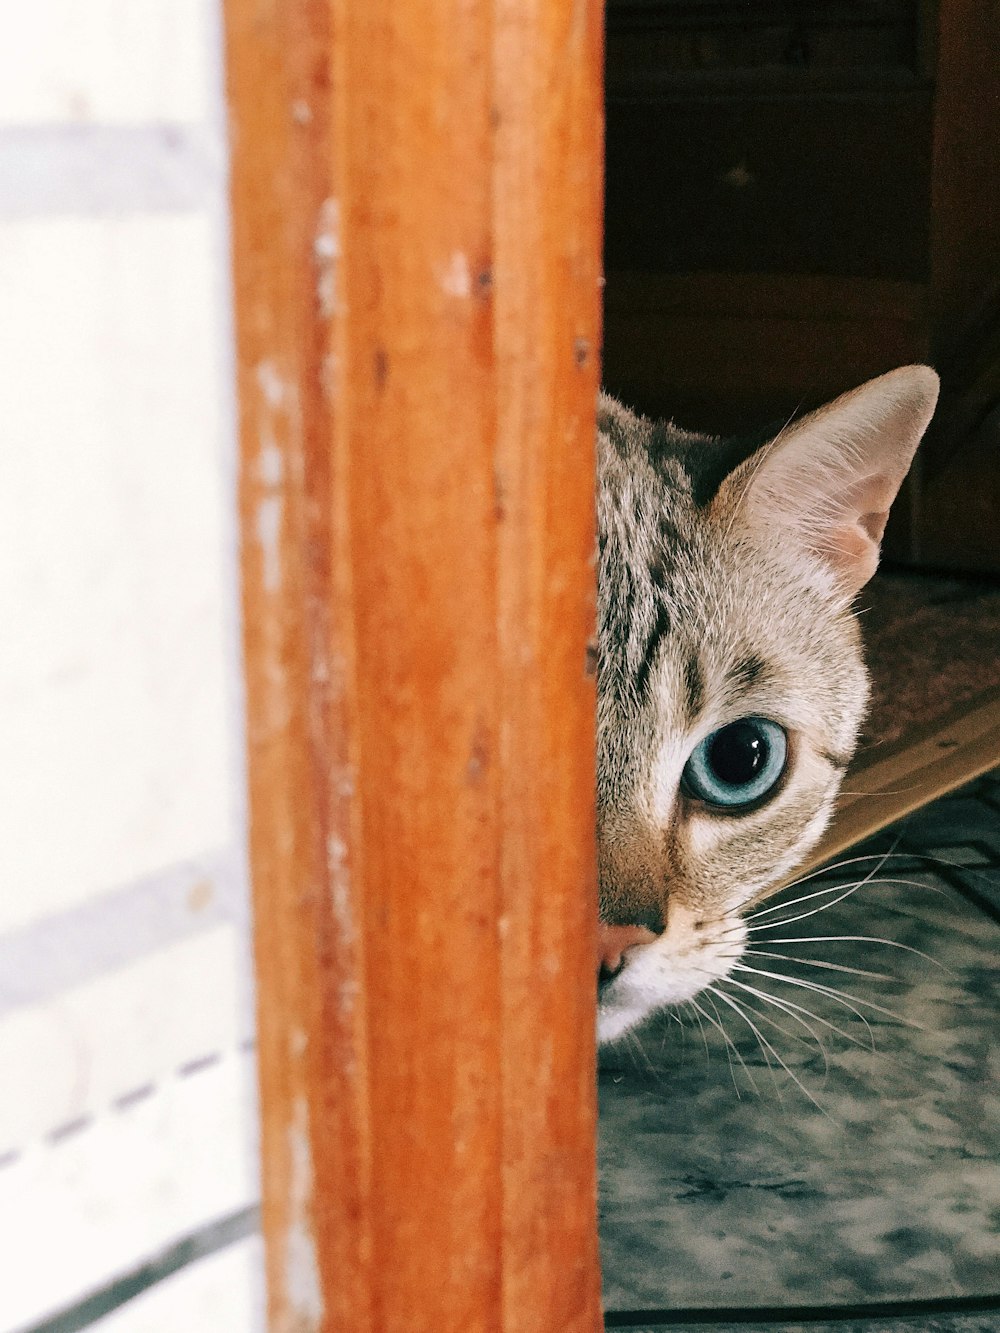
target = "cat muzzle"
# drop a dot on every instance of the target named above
(613, 942)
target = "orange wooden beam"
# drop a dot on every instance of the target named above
(416, 224)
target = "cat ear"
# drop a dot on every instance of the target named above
(829, 479)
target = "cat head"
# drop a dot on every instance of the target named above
(731, 685)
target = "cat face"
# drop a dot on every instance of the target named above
(731, 684)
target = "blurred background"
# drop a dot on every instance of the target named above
(802, 194)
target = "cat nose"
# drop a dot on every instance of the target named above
(612, 943)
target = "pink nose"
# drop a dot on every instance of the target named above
(612, 942)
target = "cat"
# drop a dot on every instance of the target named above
(731, 683)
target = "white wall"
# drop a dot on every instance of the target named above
(126, 1060)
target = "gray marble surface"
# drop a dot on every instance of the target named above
(725, 1184)
(963, 832)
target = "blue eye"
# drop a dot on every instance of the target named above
(738, 764)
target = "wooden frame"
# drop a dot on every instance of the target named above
(416, 226)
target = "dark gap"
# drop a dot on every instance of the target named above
(802, 1314)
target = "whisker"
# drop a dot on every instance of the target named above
(906, 855)
(792, 902)
(792, 1009)
(701, 1029)
(731, 1048)
(818, 962)
(728, 999)
(862, 939)
(881, 791)
(708, 1018)
(844, 863)
(802, 916)
(674, 1016)
(872, 884)
(908, 883)
(663, 1043)
(989, 875)
(817, 989)
(757, 1034)
(841, 997)
(737, 931)
(755, 917)
(853, 888)
(649, 1069)
(787, 1032)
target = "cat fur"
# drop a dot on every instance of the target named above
(727, 576)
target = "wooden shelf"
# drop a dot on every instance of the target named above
(801, 197)
(934, 759)
(723, 351)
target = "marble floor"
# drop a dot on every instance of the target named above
(844, 1178)
(839, 1167)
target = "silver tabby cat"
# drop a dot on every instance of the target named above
(731, 680)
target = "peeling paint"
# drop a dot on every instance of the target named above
(302, 1283)
(326, 249)
(340, 885)
(336, 853)
(272, 386)
(456, 280)
(328, 370)
(340, 898)
(269, 512)
(270, 463)
(347, 989)
(301, 111)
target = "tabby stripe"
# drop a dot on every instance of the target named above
(660, 627)
(748, 671)
(660, 569)
(695, 686)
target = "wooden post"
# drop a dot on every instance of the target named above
(416, 228)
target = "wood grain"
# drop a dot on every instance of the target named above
(727, 352)
(965, 203)
(931, 760)
(416, 230)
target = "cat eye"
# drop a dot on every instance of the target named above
(737, 765)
